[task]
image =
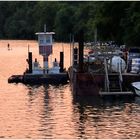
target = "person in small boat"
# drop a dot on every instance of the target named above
(55, 63)
(8, 46)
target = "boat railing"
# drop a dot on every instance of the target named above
(106, 76)
(120, 77)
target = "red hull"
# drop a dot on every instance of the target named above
(92, 84)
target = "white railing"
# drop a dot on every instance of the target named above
(106, 76)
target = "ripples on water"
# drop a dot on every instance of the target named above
(46, 111)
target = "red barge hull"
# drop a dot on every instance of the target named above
(92, 84)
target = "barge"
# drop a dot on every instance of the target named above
(53, 79)
(35, 74)
(105, 75)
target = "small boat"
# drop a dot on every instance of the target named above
(136, 86)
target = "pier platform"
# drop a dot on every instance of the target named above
(116, 93)
(60, 78)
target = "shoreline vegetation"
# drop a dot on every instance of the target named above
(112, 20)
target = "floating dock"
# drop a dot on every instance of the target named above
(35, 74)
(39, 79)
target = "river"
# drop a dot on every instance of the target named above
(46, 111)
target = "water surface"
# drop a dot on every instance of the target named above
(46, 111)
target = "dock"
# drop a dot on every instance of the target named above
(116, 93)
(106, 75)
(61, 78)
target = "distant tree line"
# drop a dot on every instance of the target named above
(117, 21)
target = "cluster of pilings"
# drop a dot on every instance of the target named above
(30, 62)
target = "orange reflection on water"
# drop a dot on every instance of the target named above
(22, 108)
(45, 111)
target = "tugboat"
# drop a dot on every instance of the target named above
(34, 74)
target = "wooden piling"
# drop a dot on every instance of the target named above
(81, 48)
(30, 61)
(61, 61)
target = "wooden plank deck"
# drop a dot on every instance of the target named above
(116, 93)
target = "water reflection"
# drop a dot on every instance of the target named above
(62, 115)
(106, 118)
(48, 111)
(55, 110)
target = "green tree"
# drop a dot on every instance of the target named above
(19, 24)
(44, 13)
(131, 25)
(108, 19)
(64, 21)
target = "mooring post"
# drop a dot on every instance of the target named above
(75, 56)
(81, 48)
(61, 64)
(30, 61)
